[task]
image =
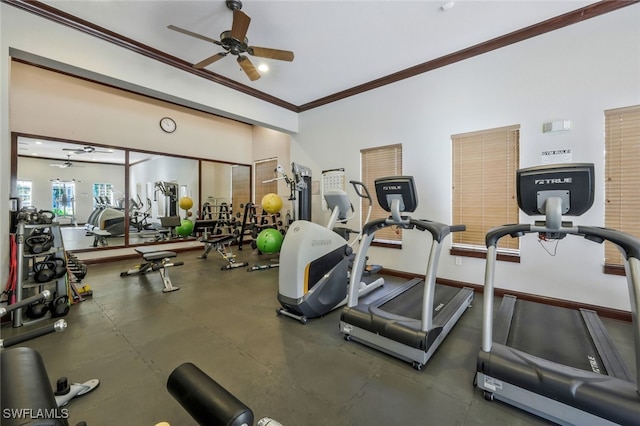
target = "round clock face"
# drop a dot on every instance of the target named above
(168, 125)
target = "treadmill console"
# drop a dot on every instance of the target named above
(571, 183)
(399, 188)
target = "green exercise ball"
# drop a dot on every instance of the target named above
(269, 240)
(185, 229)
(271, 203)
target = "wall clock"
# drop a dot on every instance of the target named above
(168, 124)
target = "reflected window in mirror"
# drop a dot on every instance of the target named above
(24, 192)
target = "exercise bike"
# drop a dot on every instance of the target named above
(314, 261)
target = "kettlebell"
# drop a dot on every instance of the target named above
(39, 243)
(36, 310)
(44, 271)
(59, 307)
(29, 215)
(46, 216)
(60, 266)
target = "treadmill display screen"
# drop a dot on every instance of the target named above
(399, 188)
(572, 183)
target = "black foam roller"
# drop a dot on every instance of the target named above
(26, 391)
(205, 400)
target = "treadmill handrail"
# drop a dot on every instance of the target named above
(629, 244)
(438, 231)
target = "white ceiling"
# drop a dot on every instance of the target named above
(337, 44)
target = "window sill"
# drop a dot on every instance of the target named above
(397, 245)
(612, 269)
(482, 254)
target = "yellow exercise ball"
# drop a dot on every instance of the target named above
(271, 203)
(186, 203)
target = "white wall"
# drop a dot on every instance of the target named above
(51, 104)
(574, 73)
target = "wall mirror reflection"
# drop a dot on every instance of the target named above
(73, 181)
(87, 187)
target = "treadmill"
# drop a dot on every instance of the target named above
(411, 321)
(558, 363)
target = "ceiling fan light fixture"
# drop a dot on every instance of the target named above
(235, 42)
(447, 6)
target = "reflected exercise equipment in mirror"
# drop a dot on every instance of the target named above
(84, 185)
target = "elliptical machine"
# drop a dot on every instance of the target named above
(314, 261)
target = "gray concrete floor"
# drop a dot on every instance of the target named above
(131, 336)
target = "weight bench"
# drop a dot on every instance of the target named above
(220, 242)
(155, 260)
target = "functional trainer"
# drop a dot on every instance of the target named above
(411, 321)
(314, 262)
(155, 260)
(570, 372)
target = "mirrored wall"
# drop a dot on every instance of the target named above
(112, 198)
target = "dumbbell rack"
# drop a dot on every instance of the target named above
(26, 260)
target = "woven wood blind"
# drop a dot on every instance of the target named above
(622, 175)
(484, 190)
(376, 163)
(265, 170)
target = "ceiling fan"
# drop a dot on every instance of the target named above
(86, 150)
(65, 164)
(234, 41)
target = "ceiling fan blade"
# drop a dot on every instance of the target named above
(192, 34)
(240, 25)
(248, 68)
(209, 60)
(265, 52)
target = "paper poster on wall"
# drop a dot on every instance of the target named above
(556, 156)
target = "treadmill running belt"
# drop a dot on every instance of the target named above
(409, 303)
(553, 333)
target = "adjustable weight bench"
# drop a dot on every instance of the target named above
(155, 260)
(220, 242)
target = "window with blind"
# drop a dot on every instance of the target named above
(484, 189)
(264, 170)
(376, 163)
(622, 178)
